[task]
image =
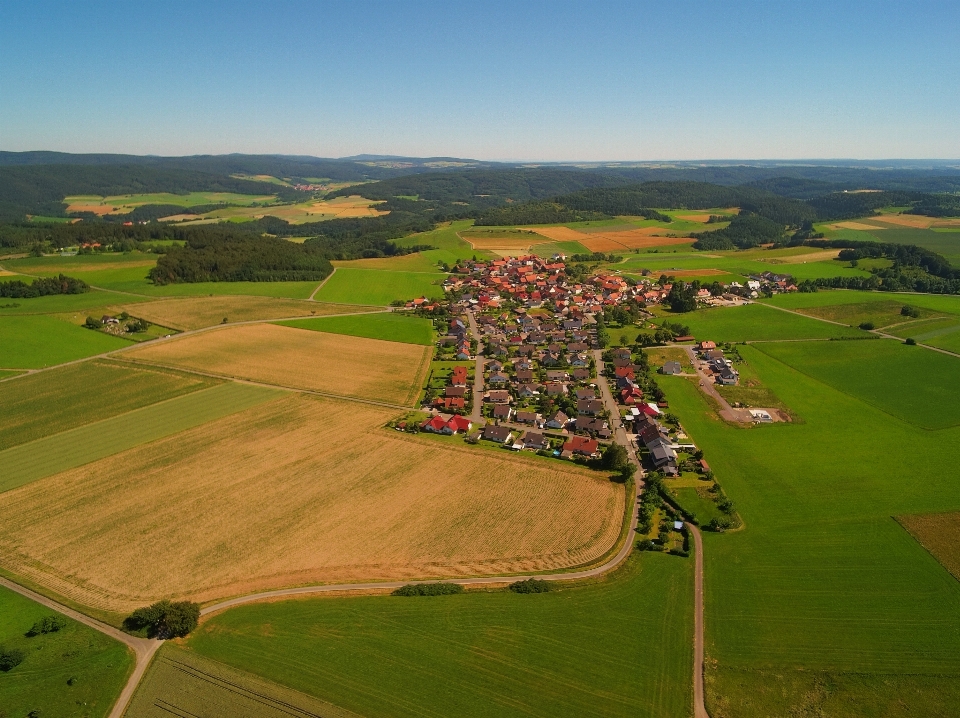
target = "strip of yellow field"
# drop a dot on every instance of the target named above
(298, 358)
(297, 491)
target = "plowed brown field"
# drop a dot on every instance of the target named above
(198, 312)
(298, 491)
(299, 359)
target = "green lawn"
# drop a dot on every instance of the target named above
(35, 460)
(824, 298)
(87, 303)
(50, 402)
(73, 672)
(910, 383)
(391, 327)
(621, 647)
(823, 604)
(36, 341)
(378, 287)
(757, 323)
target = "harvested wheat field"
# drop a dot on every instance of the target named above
(561, 234)
(915, 221)
(198, 312)
(703, 218)
(804, 258)
(301, 359)
(939, 534)
(298, 491)
(504, 244)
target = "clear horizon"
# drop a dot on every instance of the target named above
(797, 80)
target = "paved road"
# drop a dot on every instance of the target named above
(476, 416)
(619, 432)
(143, 648)
(699, 707)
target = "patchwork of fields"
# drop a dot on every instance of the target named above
(371, 369)
(304, 490)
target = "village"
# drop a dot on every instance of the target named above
(522, 362)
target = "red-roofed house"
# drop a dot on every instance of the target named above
(581, 445)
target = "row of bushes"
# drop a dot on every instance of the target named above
(530, 585)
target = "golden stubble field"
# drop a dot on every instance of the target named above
(299, 358)
(300, 490)
(613, 241)
(199, 312)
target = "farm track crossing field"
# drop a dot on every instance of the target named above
(864, 620)
(37, 341)
(916, 385)
(75, 671)
(302, 359)
(619, 647)
(301, 490)
(757, 323)
(392, 327)
(378, 287)
(44, 404)
(182, 683)
(35, 460)
(881, 314)
(198, 312)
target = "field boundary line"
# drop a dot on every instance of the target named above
(320, 286)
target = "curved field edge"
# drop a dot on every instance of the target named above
(575, 651)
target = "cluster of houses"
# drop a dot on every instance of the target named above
(457, 394)
(717, 365)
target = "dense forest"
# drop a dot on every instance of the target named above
(227, 257)
(744, 232)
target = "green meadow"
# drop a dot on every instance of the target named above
(946, 304)
(619, 647)
(548, 249)
(903, 381)
(942, 242)
(190, 199)
(449, 247)
(755, 322)
(88, 303)
(43, 457)
(823, 604)
(377, 287)
(950, 341)
(75, 671)
(36, 341)
(390, 326)
(47, 403)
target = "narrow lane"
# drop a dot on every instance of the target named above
(476, 416)
(699, 707)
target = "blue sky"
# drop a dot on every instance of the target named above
(581, 81)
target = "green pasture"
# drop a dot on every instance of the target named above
(939, 241)
(449, 247)
(755, 322)
(389, 326)
(620, 647)
(947, 304)
(53, 264)
(946, 340)
(921, 329)
(377, 287)
(823, 599)
(36, 341)
(187, 684)
(879, 313)
(49, 402)
(910, 383)
(75, 671)
(68, 449)
(90, 302)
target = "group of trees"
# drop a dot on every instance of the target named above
(42, 287)
(682, 297)
(745, 231)
(165, 619)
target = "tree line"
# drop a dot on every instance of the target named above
(42, 287)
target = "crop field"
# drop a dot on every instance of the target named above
(739, 264)
(75, 671)
(548, 249)
(185, 683)
(909, 383)
(387, 371)
(75, 447)
(391, 327)
(864, 621)
(122, 204)
(299, 213)
(936, 302)
(939, 534)
(557, 655)
(449, 245)
(416, 262)
(297, 491)
(758, 323)
(198, 312)
(505, 246)
(36, 341)
(880, 313)
(47, 403)
(949, 341)
(379, 288)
